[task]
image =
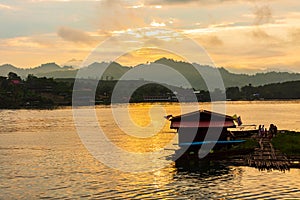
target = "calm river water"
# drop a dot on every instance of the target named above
(42, 157)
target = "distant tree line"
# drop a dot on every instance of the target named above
(286, 90)
(34, 92)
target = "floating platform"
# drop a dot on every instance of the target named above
(266, 158)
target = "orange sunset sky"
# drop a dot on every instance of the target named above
(240, 35)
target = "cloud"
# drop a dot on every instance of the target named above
(32, 42)
(209, 41)
(294, 36)
(261, 35)
(263, 15)
(120, 15)
(202, 2)
(74, 35)
(151, 2)
(6, 7)
(231, 24)
(157, 24)
(145, 55)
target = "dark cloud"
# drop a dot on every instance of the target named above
(210, 41)
(261, 34)
(74, 35)
(263, 15)
(266, 40)
(294, 36)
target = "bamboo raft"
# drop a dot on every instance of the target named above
(267, 158)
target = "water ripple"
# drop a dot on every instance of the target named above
(42, 157)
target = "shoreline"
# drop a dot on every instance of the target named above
(52, 107)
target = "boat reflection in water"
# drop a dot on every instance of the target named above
(202, 167)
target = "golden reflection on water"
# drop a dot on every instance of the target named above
(284, 115)
(141, 117)
(41, 156)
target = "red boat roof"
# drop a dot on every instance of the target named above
(204, 114)
(203, 119)
(205, 124)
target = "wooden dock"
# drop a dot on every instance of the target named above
(267, 158)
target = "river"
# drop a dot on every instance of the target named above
(43, 157)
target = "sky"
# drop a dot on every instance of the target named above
(244, 36)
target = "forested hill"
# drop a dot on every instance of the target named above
(150, 71)
(34, 92)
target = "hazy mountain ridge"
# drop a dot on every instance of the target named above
(44, 68)
(174, 74)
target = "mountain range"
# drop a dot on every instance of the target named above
(163, 70)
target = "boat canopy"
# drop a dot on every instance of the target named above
(201, 119)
